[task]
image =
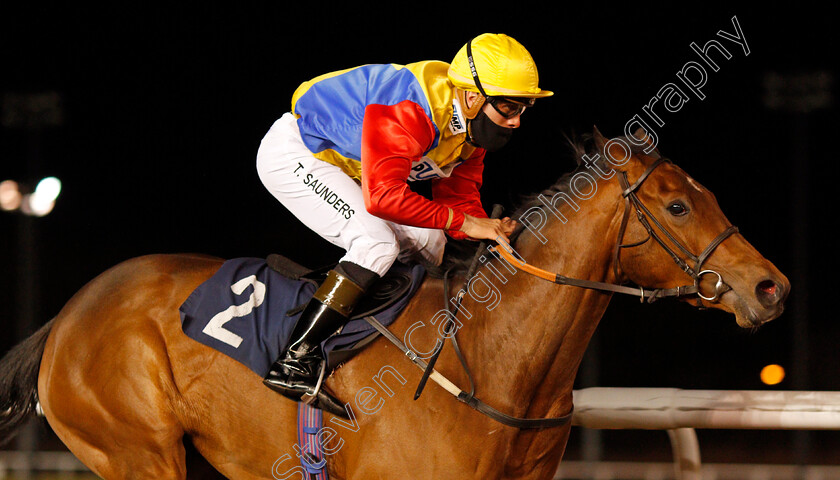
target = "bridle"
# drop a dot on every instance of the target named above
(647, 219)
(504, 250)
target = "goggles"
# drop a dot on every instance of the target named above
(507, 107)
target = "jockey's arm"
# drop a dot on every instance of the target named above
(392, 137)
(460, 191)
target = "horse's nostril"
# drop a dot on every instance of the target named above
(768, 293)
(768, 287)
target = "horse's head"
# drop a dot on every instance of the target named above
(675, 234)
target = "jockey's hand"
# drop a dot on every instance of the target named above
(508, 226)
(487, 228)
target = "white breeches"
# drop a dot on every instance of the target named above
(330, 203)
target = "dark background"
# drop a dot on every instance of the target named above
(163, 110)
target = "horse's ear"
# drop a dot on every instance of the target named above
(600, 140)
(643, 136)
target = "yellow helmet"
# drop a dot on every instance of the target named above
(501, 66)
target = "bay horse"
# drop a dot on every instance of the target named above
(133, 397)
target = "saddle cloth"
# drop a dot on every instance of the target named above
(247, 311)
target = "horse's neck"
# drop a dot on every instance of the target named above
(533, 340)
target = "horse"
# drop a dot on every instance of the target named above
(133, 397)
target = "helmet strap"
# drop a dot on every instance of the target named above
(471, 111)
(473, 70)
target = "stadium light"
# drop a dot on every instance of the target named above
(38, 203)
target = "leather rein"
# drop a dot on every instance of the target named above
(647, 219)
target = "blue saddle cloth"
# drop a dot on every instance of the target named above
(242, 309)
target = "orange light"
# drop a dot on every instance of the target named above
(772, 374)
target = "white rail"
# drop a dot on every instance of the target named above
(681, 411)
(672, 408)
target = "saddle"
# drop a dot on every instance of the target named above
(390, 288)
(248, 309)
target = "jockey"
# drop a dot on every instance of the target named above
(341, 159)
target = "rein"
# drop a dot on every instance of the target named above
(645, 217)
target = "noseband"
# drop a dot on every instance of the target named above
(645, 218)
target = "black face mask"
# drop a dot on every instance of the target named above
(484, 133)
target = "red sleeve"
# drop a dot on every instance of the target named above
(392, 137)
(460, 191)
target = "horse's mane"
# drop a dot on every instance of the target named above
(579, 146)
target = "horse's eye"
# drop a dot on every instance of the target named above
(677, 209)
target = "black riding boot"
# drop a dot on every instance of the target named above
(297, 371)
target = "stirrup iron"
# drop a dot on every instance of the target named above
(311, 396)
